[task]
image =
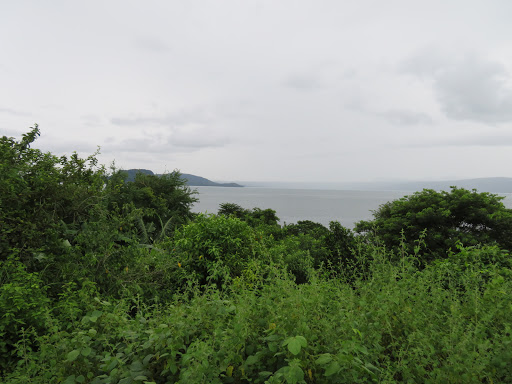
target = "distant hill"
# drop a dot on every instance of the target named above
(132, 172)
(192, 180)
(198, 181)
(486, 184)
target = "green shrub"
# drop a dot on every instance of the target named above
(296, 258)
(39, 192)
(24, 310)
(216, 248)
(160, 199)
(457, 216)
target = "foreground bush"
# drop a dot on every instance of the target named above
(398, 325)
(215, 249)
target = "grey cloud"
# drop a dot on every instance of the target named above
(13, 112)
(477, 91)
(91, 120)
(192, 116)
(9, 132)
(303, 82)
(179, 140)
(197, 138)
(406, 117)
(466, 141)
(141, 121)
(468, 88)
(186, 131)
(426, 63)
(49, 143)
(136, 146)
(152, 44)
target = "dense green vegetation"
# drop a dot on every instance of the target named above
(108, 281)
(458, 216)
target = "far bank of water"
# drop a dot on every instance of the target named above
(292, 205)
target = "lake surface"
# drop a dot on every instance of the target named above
(292, 205)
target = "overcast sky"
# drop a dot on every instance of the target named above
(265, 90)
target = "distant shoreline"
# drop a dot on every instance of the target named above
(490, 184)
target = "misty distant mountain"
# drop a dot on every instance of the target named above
(198, 181)
(192, 180)
(488, 184)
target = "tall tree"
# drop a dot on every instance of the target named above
(161, 199)
(40, 194)
(459, 215)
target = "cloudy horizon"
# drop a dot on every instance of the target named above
(261, 90)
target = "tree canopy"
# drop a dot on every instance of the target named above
(456, 216)
(45, 199)
(41, 193)
(160, 198)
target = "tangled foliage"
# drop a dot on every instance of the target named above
(39, 193)
(457, 216)
(216, 248)
(107, 282)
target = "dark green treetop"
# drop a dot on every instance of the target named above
(40, 192)
(160, 198)
(459, 215)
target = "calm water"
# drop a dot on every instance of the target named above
(292, 205)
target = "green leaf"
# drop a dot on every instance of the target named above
(69, 380)
(96, 313)
(332, 369)
(112, 365)
(140, 378)
(294, 375)
(146, 359)
(251, 360)
(86, 351)
(324, 359)
(136, 366)
(371, 368)
(295, 344)
(302, 340)
(80, 379)
(71, 356)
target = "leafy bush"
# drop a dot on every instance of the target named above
(161, 199)
(296, 258)
(216, 248)
(24, 310)
(399, 324)
(39, 192)
(458, 216)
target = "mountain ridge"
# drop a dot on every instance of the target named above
(191, 180)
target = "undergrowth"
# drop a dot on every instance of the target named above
(449, 322)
